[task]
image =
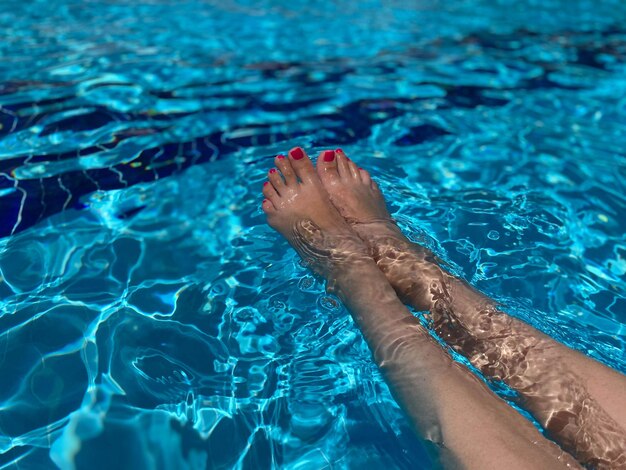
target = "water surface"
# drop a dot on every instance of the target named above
(148, 316)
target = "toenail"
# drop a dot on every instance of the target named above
(266, 183)
(339, 150)
(272, 171)
(264, 201)
(329, 156)
(360, 168)
(280, 157)
(297, 153)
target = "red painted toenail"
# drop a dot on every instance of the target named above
(329, 156)
(280, 157)
(273, 170)
(360, 168)
(339, 150)
(266, 183)
(264, 201)
(297, 153)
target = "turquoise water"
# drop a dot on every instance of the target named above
(148, 316)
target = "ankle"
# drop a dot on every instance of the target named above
(373, 230)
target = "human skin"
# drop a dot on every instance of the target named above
(443, 400)
(580, 402)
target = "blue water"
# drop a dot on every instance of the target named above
(148, 316)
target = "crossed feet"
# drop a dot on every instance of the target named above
(334, 213)
(332, 198)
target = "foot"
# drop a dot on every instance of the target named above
(361, 203)
(298, 207)
(351, 189)
(356, 196)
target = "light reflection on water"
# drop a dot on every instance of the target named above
(150, 318)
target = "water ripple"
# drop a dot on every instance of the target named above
(145, 303)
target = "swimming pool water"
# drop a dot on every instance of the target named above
(148, 316)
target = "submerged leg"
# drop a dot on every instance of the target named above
(580, 402)
(443, 400)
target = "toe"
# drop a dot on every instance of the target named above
(327, 166)
(351, 168)
(343, 166)
(374, 186)
(354, 170)
(302, 165)
(284, 165)
(267, 206)
(365, 176)
(276, 180)
(270, 193)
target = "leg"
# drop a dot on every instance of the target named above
(444, 401)
(580, 402)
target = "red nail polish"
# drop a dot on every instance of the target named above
(297, 153)
(328, 156)
(360, 168)
(264, 201)
(280, 157)
(339, 150)
(273, 170)
(266, 183)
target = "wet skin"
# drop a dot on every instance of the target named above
(580, 402)
(444, 402)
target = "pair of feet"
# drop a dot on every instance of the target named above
(322, 210)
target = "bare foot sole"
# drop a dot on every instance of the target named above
(298, 207)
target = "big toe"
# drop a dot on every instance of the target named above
(327, 168)
(302, 165)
